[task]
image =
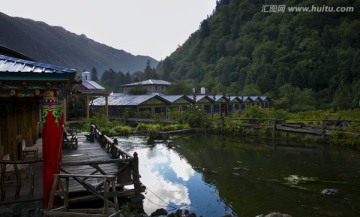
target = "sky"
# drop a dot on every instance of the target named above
(152, 28)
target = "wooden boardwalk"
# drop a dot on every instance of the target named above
(87, 151)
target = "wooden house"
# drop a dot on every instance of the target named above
(78, 102)
(178, 102)
(234, 104)
(26, 88)
(246, 102)
(32, 96)
(143, 106)
(255, 101)
(204, 102)
(220, 104)
(264, 102)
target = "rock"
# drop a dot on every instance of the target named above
(191, 215)
(171, 215)
(329, 192)
(159, 212)
(277, 214)
(227, 215)
(181, 212)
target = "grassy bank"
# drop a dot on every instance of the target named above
(237, 124)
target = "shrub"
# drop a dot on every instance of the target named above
(122, 130)
(195, 117)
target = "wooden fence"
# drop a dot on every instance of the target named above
(322, 128)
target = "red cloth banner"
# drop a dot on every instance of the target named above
(52, 136)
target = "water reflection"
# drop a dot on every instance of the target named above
(158, 177)
(171, 182)
(214, 175)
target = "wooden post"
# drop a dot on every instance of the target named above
(87, 106)
(65, 109)
(323, 129)
(107, 106)
(136, 175)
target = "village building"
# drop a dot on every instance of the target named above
(178, 102)
(145, 106)
(32, 95)
(151, 85)
(142, 106)
(264, 102)
(220, 105)
(78, 103)
(234, 104)
(204, 102)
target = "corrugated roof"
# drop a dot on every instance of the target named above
(11, 64)
(200, 97)
(148, 82)
(218, 97)
(263, 98)
(126, 100)
(134, 100)
(254, 98)
(173, 98)
(232, 98)
(92, 85)
(243, 98)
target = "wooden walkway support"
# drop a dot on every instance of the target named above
(110, 207)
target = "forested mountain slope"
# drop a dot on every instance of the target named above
(55, 45)
(302, 60)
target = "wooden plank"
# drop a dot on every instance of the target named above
(77, 162)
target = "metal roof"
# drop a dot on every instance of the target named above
(148, 82)
(263, 98)
(232, 98)
(243, 98)
(173, 98)
(254, 98)
(11, 64)
(200, 97)
(92, 85)
(134, 100)
(216, 98)
(126, 100)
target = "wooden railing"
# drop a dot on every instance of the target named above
(110, 145)
(125, 171)
(103, 179)
(322, 128)
(21, 169)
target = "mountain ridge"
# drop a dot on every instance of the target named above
(55, 45)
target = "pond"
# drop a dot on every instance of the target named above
(213, 175)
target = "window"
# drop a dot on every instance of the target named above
(216, 109)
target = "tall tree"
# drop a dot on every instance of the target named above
(149, 72)
(94, 75)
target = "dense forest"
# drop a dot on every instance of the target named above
(113, 80)
(302, 61)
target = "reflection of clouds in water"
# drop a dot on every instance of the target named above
(181, 167)
(167, 191)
